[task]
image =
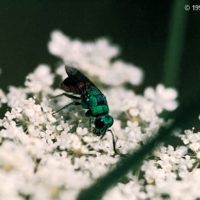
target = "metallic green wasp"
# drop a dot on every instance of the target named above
(86, 94)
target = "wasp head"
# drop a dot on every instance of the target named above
(102, 123)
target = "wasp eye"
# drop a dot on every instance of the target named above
(99, 123)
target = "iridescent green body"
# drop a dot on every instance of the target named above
(96, 103)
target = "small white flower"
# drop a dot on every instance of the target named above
(192, 141)
(120, 73)
(40, 79)
(16, 95)
(163, 98)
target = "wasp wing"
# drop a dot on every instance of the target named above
(76, 82)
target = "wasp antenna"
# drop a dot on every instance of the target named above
(114, 142)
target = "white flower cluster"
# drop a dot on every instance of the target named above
(163, 98)
(40, 80)
(94, 58)
(192, 140)
(170, 173)
(46, 156)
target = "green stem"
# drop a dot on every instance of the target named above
(175, 44)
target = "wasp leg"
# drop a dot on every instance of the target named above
(89, 114)
(66, 106)
(114, 143)
(67, 95)
(90, 124)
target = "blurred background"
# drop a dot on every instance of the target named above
(140, 29)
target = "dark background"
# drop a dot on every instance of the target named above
(140, 28)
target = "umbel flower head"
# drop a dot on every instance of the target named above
(95, 58)
(46, 156)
